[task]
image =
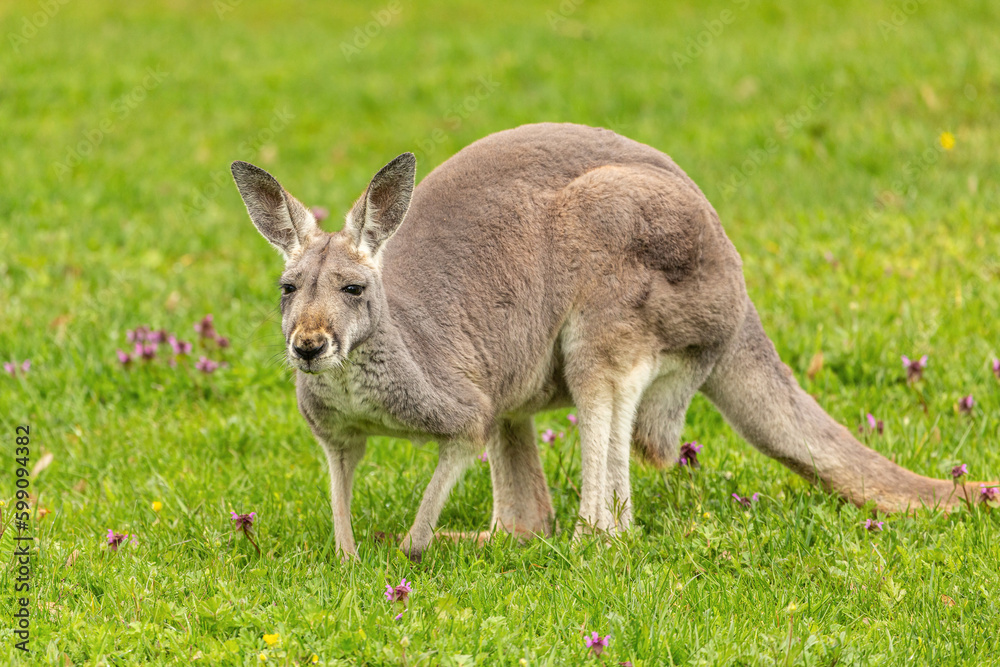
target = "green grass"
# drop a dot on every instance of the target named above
(142, 225)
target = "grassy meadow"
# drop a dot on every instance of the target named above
(850, 149)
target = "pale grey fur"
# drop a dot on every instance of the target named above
(540, 267)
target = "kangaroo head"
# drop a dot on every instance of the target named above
(331, 288)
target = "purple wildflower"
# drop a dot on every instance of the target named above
(959, 471)
(596, 643)
(875, 424)
(873, 526)
(319, 213)
(689, 454)
(138, 335)
(117, 539)
(996, 368)
(124, 358)
(179, 346)
(157, 337)
(222, 341)
(549, 436)
(484, 457)
(399, 615)
(966, 403)
(914, 368)
(145, 351)
(572, 418)
(12, 367)
(398, 593)
(988, 494)
(746, 502)
(205, 328)
(243, 521)
(206, 365)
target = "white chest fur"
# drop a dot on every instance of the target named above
(351, 405)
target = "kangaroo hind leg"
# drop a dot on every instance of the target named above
(618, 489)
(662, 411)
(606, 395)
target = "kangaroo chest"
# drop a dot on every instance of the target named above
(343, 401)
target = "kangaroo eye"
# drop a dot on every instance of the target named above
(354, 290)
(287, 289)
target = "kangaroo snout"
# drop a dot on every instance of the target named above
(311, 345)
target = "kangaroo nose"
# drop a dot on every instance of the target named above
(309, 347)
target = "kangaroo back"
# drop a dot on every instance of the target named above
(488, 261)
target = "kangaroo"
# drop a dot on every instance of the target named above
(540, 267)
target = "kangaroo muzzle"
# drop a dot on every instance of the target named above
(311, 345)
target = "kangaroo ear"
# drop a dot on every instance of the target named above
(378, 213)
(280, 217)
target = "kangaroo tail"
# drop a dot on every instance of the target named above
(759, 396)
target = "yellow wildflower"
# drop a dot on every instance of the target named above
(272, 639)
(157, 505)
(314, 658)
(262, 657)
(947, 140)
